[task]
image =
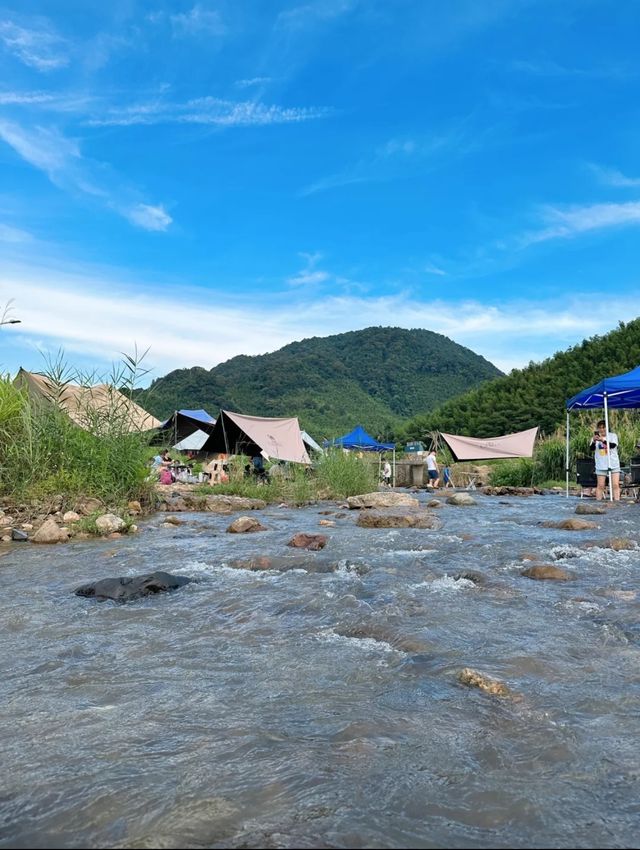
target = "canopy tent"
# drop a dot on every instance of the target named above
(183, 423)
(360, 440)
(193, 443)
(235, 433)
(492, 448)
(91, 408)
(310, 443)
(619, 392)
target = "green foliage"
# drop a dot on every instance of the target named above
(518, 472)
(43, 452)
(535, 395)
(345, 474)
(373, 377)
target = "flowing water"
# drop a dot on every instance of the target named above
(321, 709)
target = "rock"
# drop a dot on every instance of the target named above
(244, 524)
(89, 506)
(471, 575)
(340, 516)
(308, 541)
(587, 508)
(329, 523)
(18, 536)
(114, 535)
(71, 516)
(512, 491)
(377, 520)
(546, 572)
(108, 523)
(26, 526)
(570, 524)
(226, 504)
(434, 503)
(474, 679)
(619, 544)
(529, 556)
(6, 538)
(461, 499)
(133, 529)
(382, 500)
(125, 588)
(134, 507)
(176, 505)
(173, 520)
(50, 532)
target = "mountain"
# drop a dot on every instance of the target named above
(536, 395)
(374, 377)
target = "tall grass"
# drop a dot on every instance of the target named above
(43, 452)
(344, 474)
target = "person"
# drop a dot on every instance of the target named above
(448, 482)
(386, 473)
(258, 468)
(432, 469)
(605, 446)
(160, 461)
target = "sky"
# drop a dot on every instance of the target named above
(214, 178)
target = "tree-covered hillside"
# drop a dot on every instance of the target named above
(535, 395)
(374, 377)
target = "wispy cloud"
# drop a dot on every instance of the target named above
(205, 110)
(199, 20)
(61, 159)
(37, 45)
(550, 68)
(310, 14)
(613, 177)
(575, 220)
(310, 275)
(433, 269)
(86, 316)
(253, 81)
(8, 233)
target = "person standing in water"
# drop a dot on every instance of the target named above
(605, 446)
(432, 469)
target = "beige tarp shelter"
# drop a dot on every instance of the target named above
(492, 448)
(86, 405)
(278, 439)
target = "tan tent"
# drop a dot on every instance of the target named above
(87, 406)
(492, 448)
(278, 439)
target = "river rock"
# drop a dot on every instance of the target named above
(134, 507)
(89, 506)
(377, 520)
(109, 523)
(512, 491)
(546, 572)
(571, 524)
(244, 524)
(475, 679)
(474, 576)
(619, 544)
(126, 588)
(461, 499)
(329, 523)
(227, 504)
(50, 532)
(173, 520)
(308, 541)
(434, 503)
(71, 516)
(587, 508)
(176, 504)
(382, 500)
(18, 536)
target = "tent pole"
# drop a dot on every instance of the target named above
(394, 466)
(567, 455)
(606, 428)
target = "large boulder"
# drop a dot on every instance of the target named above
(382, 500)
(461, 499)
(126, 588)
(588, 508)
(420, 520)
(308, 541)
(50, 532)
(109, 523)
(244, 524)
(546, 572)
(89, 506)
(18, 535)
(572, 524)
(71, 516)
(475, 679)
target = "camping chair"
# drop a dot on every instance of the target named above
(586, 474)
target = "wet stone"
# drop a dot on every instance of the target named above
(314, 542)
(546, 572)
(127, 588)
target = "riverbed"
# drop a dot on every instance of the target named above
(319, 706)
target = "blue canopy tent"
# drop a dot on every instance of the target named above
(184, 423)
(360, 440)
(619, 392)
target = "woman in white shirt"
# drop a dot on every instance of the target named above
(600, 443)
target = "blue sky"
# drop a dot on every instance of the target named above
(215, 178)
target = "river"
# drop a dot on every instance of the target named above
(321, 709)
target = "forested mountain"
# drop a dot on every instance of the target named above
(536, 395)
(374, 377)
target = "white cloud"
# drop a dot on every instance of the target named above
(13, 234)
(253, 81)
(99, 317)
(205, 110)
(309, 275)
(199, 20)
(613, 177)
(572, 221)
(433, 269)
(60, 158)
(310, 14)
(38, 46)
(148, 217)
